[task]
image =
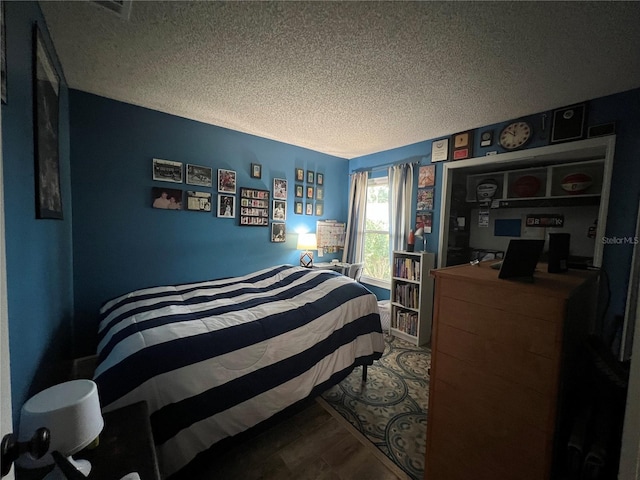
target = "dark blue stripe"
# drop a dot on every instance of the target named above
(231, 281)
(215, 310)
(154, 360)
(172, 418)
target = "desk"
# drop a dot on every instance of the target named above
(341, 267)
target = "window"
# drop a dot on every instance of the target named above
(376, 233)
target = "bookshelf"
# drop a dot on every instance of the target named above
(412, 296)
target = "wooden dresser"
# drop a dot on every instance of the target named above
(505, 362)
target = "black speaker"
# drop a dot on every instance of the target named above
(558, 252)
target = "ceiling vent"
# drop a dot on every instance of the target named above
(122, 8)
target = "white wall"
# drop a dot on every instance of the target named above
(577, 221)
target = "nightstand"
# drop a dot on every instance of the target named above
(126, 446)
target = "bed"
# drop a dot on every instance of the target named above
(214, 358)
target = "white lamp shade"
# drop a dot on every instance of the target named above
(419, 232)
(307, 241)
(71, 412)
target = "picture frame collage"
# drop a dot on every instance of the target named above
(309, 192)
(193, 199)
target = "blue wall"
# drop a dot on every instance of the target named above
(39, 252)
(624, 110)
(121, 243)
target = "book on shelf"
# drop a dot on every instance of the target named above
(405, 267)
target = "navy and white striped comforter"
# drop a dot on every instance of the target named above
(213, 359)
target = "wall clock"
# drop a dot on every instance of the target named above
(515, 135)
(462, 145)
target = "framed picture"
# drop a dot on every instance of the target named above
(440, 150)
(299, 191)
(226, 181)
(167, 171)
(280, 188)
(3, 53)
(310, 176)
(226, 206)
(198, 175)
(320, 178)
(427, 176)
(278, 232)
(298, 210)
(46, 86)
(319, 209)
(299, 175)
(309, 192)
(256, 170)
(198, 201)
(279, 210)
(309, 210)
(254, 207)
(319, 193)
(425, 199)
(166, 198)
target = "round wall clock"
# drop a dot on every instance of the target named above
(515, 135)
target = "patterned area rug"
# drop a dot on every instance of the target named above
(391, 408)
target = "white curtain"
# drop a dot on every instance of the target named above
(353, 243)
(400, 201)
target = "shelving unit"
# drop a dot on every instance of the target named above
(412, 296)
(542, 182)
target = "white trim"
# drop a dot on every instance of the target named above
(6, 416)
(376, 282)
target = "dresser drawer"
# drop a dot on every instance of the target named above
(511, 298)
(514, 401)
(507, 361)
(492, 442)
(499, 326)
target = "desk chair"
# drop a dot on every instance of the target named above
(355, 271)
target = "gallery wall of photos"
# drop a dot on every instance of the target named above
(254, 207)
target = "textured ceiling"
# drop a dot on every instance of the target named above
(349, 78)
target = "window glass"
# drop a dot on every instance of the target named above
(376, 235)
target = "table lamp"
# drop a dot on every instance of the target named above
(307, 242)
(71, 413)
(420, 234)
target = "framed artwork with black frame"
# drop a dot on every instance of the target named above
(256, 170)
(46, 87)
(254, 207)
(278, 232)
(311, 175)
(299, 191)
(299, 208)
(309, 208)
(199, 175)
(299, 175)
(320, 179)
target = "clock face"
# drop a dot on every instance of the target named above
(515, 135)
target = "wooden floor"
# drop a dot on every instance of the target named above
(315, 443)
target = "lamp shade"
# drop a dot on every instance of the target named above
(307, 241)
(71, 412)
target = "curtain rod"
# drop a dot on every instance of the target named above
(383, 166)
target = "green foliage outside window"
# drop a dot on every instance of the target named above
(376, 238)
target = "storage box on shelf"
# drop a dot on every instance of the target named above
(412, 296)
